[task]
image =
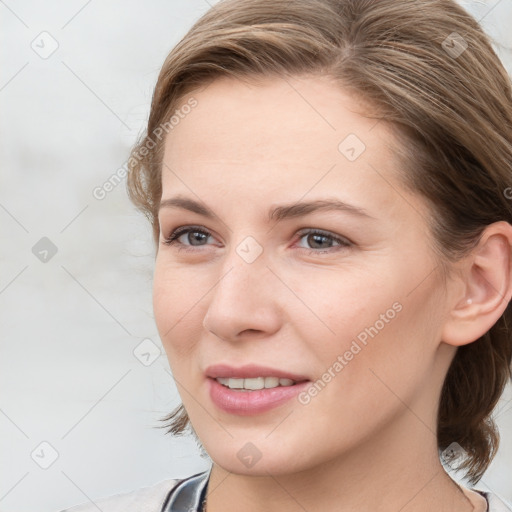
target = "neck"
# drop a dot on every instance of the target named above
(392, 472)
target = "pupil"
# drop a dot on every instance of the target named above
(197, 236)
(316, 237)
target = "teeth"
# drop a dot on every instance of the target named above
(271, 382)
(254, 383)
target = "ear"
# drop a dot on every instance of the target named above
(487, 287)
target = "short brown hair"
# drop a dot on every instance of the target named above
(450, 104)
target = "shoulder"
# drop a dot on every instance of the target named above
(496, 502)
(144, 499)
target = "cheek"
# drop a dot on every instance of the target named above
(342, 306)
(366, 333)
(390, 354)
(369, 369)
(372, 321)
(177, 309)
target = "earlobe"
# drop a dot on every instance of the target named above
(487, 290)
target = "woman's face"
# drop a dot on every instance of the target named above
(348, 298)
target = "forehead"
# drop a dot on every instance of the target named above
(291, 136)
(295, 117)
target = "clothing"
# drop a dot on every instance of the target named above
(483, 502)
(187, 495)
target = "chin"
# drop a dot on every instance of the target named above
(259, 457)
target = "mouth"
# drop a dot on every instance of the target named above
(252, 389)
(255, 383)
(252, 376)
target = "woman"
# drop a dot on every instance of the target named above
(328, 187)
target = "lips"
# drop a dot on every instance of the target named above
(241, 402)
(251, 371)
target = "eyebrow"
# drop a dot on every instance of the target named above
(276, 212)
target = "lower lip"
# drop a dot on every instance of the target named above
(247, 403)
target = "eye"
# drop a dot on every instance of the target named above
(195, 236)
(318, 239)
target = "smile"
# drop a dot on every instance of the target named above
(254, 383)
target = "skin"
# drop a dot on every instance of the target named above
(367, 441)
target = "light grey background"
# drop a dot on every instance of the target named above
(70, 325)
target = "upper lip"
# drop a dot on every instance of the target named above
(250, 370)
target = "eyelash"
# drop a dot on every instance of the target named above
(173, 239)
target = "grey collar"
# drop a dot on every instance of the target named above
(188, 495)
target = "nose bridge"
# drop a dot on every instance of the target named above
(244, 266)
(243, 297)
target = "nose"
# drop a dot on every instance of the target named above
(245, 301)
